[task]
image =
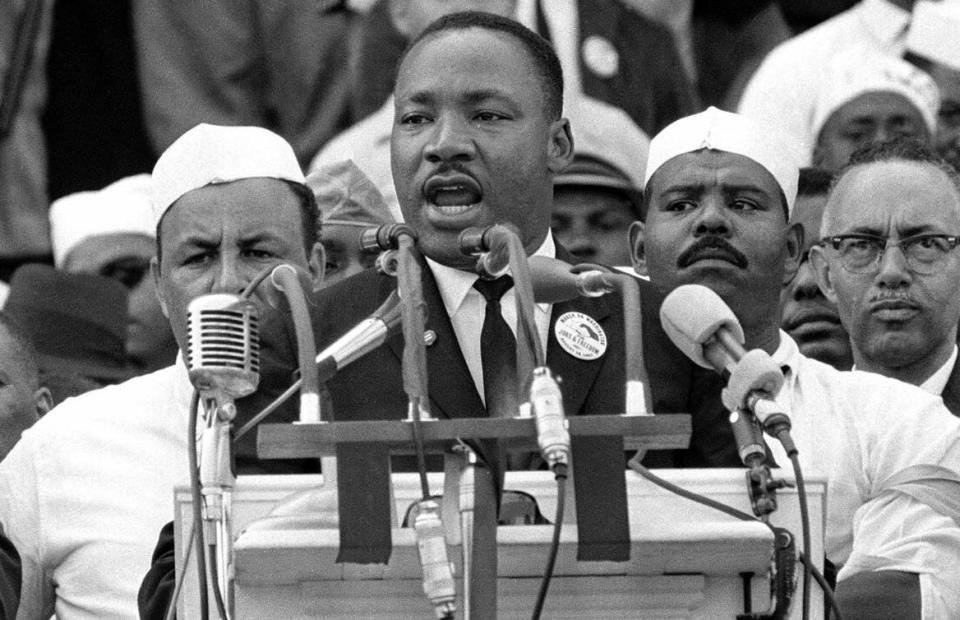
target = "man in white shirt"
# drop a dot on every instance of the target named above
(889, 261)
(719, 189)
(85, 491)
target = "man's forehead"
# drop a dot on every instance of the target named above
(459, 46)
(709, 167)
(95, 252)
(898, 192)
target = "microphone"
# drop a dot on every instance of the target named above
(438, 583)
(223, 346)
(553, 281)
(384, 237)
(702, 326)
(546, 400)
(364, 337)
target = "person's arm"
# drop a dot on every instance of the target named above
(156, 590)
(880, 595)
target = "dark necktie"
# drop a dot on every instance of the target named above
(498, 354)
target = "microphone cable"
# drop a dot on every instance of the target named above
(560, 474)
(634, 464)
(196, 500)
(805, 529)
(172, 605)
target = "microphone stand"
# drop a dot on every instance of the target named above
(217, 481)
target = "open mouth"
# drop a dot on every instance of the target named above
(452, 194)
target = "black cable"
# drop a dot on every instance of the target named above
(196, 498)
(415, 425)
(805, 528)
(827, 590)
(215, 578)
(560, 472)
(279, 400)
(172, 604)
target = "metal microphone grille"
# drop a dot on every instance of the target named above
(223, 347)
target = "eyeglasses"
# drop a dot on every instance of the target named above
(862, 253)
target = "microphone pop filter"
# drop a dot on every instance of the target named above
(223, 345)
(691, 314)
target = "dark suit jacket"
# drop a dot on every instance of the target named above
(951, 392)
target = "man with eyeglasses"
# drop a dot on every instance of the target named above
(888, 260)
(719, 192)
(111, 233)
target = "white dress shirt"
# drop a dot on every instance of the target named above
(783, 90)
(859, 429)
(84, 493)
(466, 308)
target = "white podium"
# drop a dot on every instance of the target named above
(686, 559)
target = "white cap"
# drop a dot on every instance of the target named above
(121, 207)
(935, 32)
(209, 154)
(857, 71)
(734, 133)
(607, 133)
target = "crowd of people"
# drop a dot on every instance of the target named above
(822, 204)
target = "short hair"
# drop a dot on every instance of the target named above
(309, 217)
(24, 352)
(899, 149)
(549, 72)
(814, 182)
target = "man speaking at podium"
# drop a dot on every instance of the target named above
(719, 189)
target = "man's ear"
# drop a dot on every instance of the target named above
(637, 257)
(155, 273)
(560, 148)
(318, 264)
(793, 238)
(821, 267)
(43, 400)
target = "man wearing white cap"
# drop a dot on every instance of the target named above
(933, 44)
(112, 233)
(719, 189)
(87, 488)
(868, 97)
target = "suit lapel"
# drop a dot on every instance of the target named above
(951, 393)
(578, 375)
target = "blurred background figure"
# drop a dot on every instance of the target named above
(782, 90)
(22, 399)
(865, 98)
(349, 203)
(77, 323)
(805, 313)
(933, 44)
(279, 65)
(111, 233)
(597, 197)
(24, 43)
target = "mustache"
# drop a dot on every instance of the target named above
(710, 245)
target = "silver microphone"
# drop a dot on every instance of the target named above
(223, 346)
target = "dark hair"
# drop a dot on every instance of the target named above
(814, 182)
(899, 149)
(549, 73)
(309, 217)
(23, 348)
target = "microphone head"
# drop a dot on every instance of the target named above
(691, 314)
(223, 345)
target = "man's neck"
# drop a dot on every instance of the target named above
(914, 373)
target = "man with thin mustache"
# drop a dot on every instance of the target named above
(889, 261)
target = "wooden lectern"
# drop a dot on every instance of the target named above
(687, 560)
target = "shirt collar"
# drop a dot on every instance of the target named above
(456, 284)
(936, 382)
(884, 20)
